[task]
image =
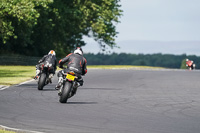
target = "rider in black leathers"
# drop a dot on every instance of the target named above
(51, 58)
(75, 62)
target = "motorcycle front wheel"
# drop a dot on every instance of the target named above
(41, 81)
(65, 92)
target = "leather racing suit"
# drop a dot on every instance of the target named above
(49, 58)
(76, 63)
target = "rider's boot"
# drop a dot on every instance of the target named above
(60, 81)
(37, 74)
(50, 77)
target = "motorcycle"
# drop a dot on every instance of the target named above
(69, 86)
(44, 78)
(190, 64)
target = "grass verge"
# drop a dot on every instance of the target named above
(4, 131)
(10, 75)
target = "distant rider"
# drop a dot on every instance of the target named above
(75, 62)
(51, 58)
(190, 64)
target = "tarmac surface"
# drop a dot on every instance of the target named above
(111, 101)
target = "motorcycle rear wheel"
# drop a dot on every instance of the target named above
(65, 92)
(41, 81)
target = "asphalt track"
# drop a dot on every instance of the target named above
(111, 101)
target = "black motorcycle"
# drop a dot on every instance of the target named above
(69, 86)
(44, 75)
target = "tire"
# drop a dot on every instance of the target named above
(65, 92)
(41, 81)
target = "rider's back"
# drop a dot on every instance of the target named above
(51, 59)
(75, 62)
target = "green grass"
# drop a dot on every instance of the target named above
(10, 75)
(4, 131)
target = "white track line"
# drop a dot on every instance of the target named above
(3, 88)
(20, 130)
(25, 82)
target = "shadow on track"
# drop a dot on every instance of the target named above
(101, 88)
(81, 103)
(48, 90)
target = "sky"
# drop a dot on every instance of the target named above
(156, 26)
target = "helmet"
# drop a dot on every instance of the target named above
(187, 59)
(78, 51)
(52, 52)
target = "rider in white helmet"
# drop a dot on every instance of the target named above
(190, 64)
(75, 62)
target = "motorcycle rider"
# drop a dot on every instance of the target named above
(51, 58)
(75, 62)
(190, 64)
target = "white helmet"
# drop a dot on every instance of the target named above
(78, 51)
(52, 52)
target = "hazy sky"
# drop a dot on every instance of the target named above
(166, 22)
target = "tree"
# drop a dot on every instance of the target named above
(183, 64)
(18, 12)
(17, 19)
(41, 25)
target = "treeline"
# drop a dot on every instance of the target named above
(158, 60)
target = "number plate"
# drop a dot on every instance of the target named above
(70, 77)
